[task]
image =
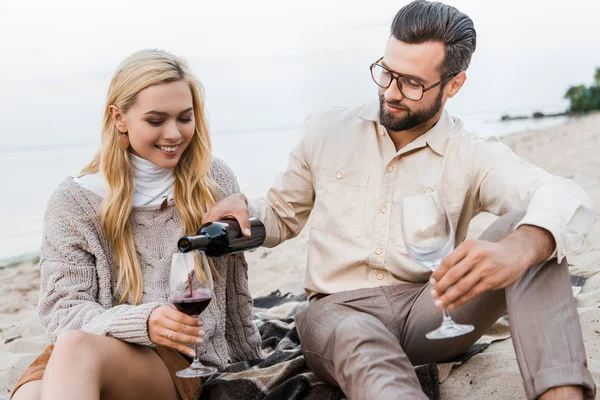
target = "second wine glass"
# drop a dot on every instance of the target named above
(429, 237)
(191, 287)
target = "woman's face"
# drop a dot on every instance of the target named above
(160, 124)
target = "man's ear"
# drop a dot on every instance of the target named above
(453, 86)
(118, 118)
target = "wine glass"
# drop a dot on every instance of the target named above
(191, 288)
(429, 237)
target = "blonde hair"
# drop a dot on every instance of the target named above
(193, 190)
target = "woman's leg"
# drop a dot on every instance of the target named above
(85, 366)
(29, 391)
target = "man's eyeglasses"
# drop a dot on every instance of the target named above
(409, 87)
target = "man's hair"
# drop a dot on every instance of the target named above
(424, 21)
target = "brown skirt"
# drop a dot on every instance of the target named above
(188, 389)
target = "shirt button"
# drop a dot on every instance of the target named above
(382, 131)
(383, 209)
(380, 276)
(339, 175)
(389, 169)
(378, 251)
(564, 250)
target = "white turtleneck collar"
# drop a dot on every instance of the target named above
(151, 182)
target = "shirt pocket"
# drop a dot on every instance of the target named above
(340, 197)
(452, 198)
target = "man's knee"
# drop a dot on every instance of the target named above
(316, 328)
(315, 324)
(331, 338)
(502, 226)
(346, 334)
(320, 325)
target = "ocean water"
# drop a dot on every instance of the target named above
(264, 65)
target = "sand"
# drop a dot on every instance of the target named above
(571, 150)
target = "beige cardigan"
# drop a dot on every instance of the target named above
(78, 275)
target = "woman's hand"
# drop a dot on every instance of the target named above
(171, 328)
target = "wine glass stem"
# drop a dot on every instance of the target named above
(196, 360)
(447, 318)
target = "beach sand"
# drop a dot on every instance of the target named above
(571, 151)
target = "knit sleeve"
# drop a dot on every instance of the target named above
(241, 334)
(224, 177)
(70, 286)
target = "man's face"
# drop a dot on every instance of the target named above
(420, 62)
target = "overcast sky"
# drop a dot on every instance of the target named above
(63, 52)
(81, 32)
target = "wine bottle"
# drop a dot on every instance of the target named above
(223, 237)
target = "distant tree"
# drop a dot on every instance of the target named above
(585, 99)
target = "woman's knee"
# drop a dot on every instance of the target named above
(74, 342)
(80, 349)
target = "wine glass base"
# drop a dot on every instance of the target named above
(449, 331)
(196, 372)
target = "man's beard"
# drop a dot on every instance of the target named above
(411, 119)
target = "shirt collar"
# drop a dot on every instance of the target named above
(436, 138)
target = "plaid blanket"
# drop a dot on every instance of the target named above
(283, 373)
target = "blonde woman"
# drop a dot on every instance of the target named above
(109, 236)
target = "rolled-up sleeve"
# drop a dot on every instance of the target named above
(288, 204)
(505, 182)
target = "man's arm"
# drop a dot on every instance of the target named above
(558, 216)
(507, 183)
(288, 204)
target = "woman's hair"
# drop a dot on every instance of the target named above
(194, 189)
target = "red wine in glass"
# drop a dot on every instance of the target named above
(192, 305)
(191, 291)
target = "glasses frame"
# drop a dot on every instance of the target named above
(396, 75)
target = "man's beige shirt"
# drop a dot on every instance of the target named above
(347, 175)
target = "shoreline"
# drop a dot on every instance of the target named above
(29, 256)
(18, 260)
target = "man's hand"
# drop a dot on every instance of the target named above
(233, 206)
(477, 266)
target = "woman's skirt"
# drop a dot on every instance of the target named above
(188, 389)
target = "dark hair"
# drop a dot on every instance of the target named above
(424, 21)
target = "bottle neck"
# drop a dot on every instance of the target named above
(201, 241)
(196, 242)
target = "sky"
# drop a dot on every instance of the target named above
(268, 63)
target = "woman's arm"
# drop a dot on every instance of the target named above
(71, 290)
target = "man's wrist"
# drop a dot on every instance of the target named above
(536, 244)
